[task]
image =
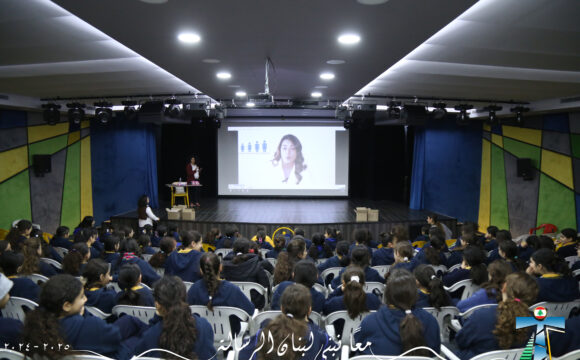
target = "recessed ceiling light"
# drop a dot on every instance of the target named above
(321, 87)
(241, 93)
(372, 2)
(224, 75)
(348, 39)
(250, 104)
(154, 1)
(189, 38)
(211, 61)
(316, 94)
(335, 62)
(234, 86)
(327, 76)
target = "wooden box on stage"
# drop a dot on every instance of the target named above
(181, 206)
(174, 213)
(361, 214)
(188, 214)
(373, 215)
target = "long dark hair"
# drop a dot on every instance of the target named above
(550, 261)
(319, 246)
(41, 326)
(31, 264)
(188, 237)
(279, 243)
(427, 278)
(299, 164)
(497, 272)
(510, 250)
(287, 259)
(71, 263)
(475, 258)
(15, 232)
(93, 271)
(355, 298)
(342, 249)
(129, 278)
(210, 236)
(179, 332)
(87, 222)
(166, 247)
(360, 256)
(305, 273)
(433, 252)
(142, 207)
(209, 264)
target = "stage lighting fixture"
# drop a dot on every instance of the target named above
(103, 112)
(130, 111)
(347, 123)
(519, 111)
(463, 116)
(394, 110)
(51, 114)
(439, 112)
(76, 114)
(492, 110)
(173, 110)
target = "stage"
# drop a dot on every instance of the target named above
(311, 214)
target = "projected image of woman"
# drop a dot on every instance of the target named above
(289, 156)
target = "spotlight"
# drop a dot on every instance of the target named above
(439, 112)
(463, 116)
(173, 110)
(103, 112)
(51, 114)
(394, 110)
(76, 114)
(519, 110)
(129, 110)
(492, 116)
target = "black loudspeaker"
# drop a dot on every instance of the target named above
(42, 164)
(525, 169)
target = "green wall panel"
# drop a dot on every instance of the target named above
(50, 146)
(575, 142)
(499, 204)
(15, 195)
(71, 198)
(523, 150)
(556, 204)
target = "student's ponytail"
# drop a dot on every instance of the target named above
(427, 278)
(287, 259)
(342, 249)
(71, 263)
(166, 247)
(93, 271)
(355, 298)
(210, 268)
(475, 258)
(129, 278)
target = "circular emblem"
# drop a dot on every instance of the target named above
(540, 313)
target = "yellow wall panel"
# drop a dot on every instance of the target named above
(85, 124)
(74, 137)
(497, 139)
(485, 190)
(558, 166)
(86, 182)
(41, 132)
(530, 136)
(486, 127)
(13, 161)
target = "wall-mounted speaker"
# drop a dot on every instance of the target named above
(525, 168)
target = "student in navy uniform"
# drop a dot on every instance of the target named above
(400, 325)
(360, 257)
(75, 261)
(341, 259)
(295, 251)
(331, 237)
(61, 238)
(361, 237)
(403, 252)
(185, 262)
(110, 254)
(262, 240)
(532, 244)
(569, 341)
(430, 288)
(553, 277)
(472, 267)
(304, 273)
(300, 232)
(319, 248)
(279, 246)
(61, 319)
(433, 252)
(433, 220)
(166, 247)
(89, 236)
(490, 240)
(32, 250)
(9, 328)
(132, 256)
(491, 329)
(97, 274)
(18, 233)
(566, 243)
(424, 235)
(187, 335)
(508, 251)
(500, 236)
(144, 242)
(22, 287)
(132, 293)
(456, 256)
(384, 255)
(86, 223)
(230, 236)
(290, 330)
(490, 292)
(246, 267)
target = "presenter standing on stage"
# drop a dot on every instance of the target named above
(193, 171)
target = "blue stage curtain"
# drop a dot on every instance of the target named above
(418, 174)
(124, 166)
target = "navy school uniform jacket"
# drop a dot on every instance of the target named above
(24, 288)
(250, 270)
(381, 329)
(490, 245)
(557, 288)
(61, 242)
(112, 258)
(149, 250)
(203, 346)
(422, 299)
(92, 333)
(480, 297)
(219, 243)
(95, 253)
(102, 298)
(371, 275)
(494, 255)
(567, 250)
(421, 258)
(408, 265)
(524, 253)
(185, 264)
(145, 296)
(569, 341)
(331, 242)
(149, 276)
(352, 246)
(383, 256)
(455, 258)
(47, 269)
(317, 298)
(455, 276)
(335, 302)
(321, 344)
(10, 330)
(329, 263)
(272, 254)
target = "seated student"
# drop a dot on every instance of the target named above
(433, 220)
(576, 265)
(230, 236)
(424, 235)
(132, 293)
(61, 238)
(490, 240)
(86, 223)
(472, 267)
(304, 273)
(553, 277)
(110, 254)
(491, 329)
(361, 237)
(32, 251)
(533, 243)
(331, 237)
(22, 287)
(89, 237)
(132, 256)
(384, 255)
(174, 328)
(159, 233)
(255, 249)
(263, 240)
(403, 253)
(61, 319)
(490, 292)
(433, 252)
(209, 239)
(144, 242)
(295, 251)
(279, 246)
(18, 233)
(319, 248)
(431, 292)
(166, 246)
(360, 257)
(456, 252)
(566, 243)
(508, 251)
(245, 266)
(300, 232)
(77, 258)
(291, 330)
(341, 258)
(400, 325)
(185, 262)
(97, 274)
(9, 328)
(500, 236)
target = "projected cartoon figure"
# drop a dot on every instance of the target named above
(289, 156)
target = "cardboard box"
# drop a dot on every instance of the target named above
(180, 206)
(373, 215)
(361, 214)
(173, 214)
(188, 214)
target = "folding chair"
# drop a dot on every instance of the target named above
(558, 309)
(334, 271)
(440, 270)
(247, 288)
(146, 257)
(36, 278)
(467, 286)
(143, 313)
(375, 287)
(574, 355)
(219, 319)
(349, 327)
(382, 269)
(11, 354)
(51, 262)
(456, 325)
(443, 317)
(16, 308)
(61, 251)
(222, 252)
(97, 312)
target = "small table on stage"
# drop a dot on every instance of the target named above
(181, 190)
